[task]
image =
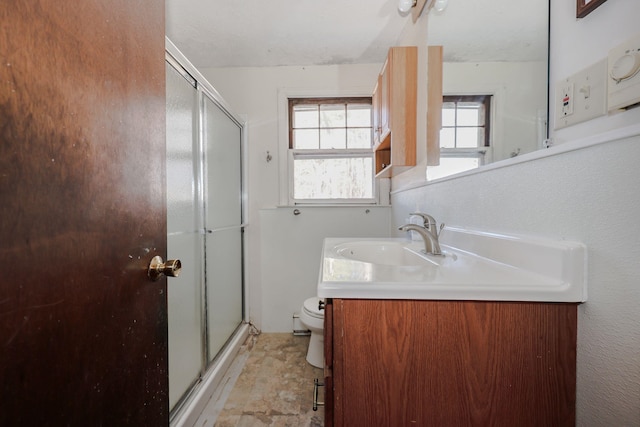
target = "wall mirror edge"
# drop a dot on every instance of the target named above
(505, 141)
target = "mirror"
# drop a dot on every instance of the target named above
(497, 48)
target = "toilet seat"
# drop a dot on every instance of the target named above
(310, 307)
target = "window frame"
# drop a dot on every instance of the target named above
(327, 101)
(484, 99)
(482, 153)
(287, 99)
(487, 99)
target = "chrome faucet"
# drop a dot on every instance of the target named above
(429, 222)
(431, 245)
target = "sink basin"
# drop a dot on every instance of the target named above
(476, 266)
(384, 252)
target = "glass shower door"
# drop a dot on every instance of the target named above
(223, 222)
(204, 231)
(184, 241)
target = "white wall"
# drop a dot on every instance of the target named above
(577, 44)
(588, 193)
(291, 248)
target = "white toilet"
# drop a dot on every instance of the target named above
(313, 319)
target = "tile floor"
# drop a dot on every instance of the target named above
(273, 386)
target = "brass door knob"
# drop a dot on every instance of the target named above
(157, 268)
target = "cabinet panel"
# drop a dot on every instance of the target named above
(376, 105)
(434, 104)
(453, 363)
(328, 363)
(385, 101)
(383, 378)
(395, 110)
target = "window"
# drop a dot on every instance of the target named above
(330, 155)
(465, 136)
(465, 121)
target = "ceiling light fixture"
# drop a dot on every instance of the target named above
(405, 6)
(440, 5)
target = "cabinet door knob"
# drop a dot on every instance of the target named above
(321, 305)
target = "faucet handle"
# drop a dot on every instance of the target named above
(428, 221)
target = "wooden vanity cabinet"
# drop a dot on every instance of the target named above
(394, 104)
(328, 363)
(449, 363)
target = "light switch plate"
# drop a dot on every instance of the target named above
(582, 96)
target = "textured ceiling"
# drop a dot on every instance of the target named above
(216, 33)
(491, 30)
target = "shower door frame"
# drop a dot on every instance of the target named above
(213, 367)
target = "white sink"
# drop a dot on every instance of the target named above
(385, 252)
(475, 266)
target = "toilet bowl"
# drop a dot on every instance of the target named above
(313, 319)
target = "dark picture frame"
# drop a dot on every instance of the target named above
(585, 7)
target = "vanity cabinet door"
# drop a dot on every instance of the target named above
(453, 363)
(382, 359)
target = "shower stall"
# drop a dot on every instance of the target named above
(205, 227)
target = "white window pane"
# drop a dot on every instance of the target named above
(448, 138)
(333, 115)
(359, 138)
(306, 138)
(448, 114)
(358, 115)
(468, 137)
(305, 116)
(337, 178)
(468, 115)
(333, 138)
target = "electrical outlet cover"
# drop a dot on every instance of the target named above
(588, 95)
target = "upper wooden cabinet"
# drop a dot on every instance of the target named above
(376, 104)
(434, 104)
(381, 105)
(394, 112)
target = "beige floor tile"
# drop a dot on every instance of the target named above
(275, 387)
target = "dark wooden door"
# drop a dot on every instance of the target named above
(83, 332)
